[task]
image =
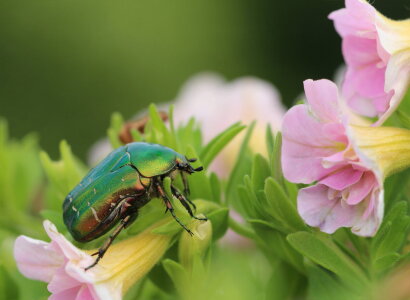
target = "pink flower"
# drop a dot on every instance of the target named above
(62, 265)
(317, 147)
(217, 104)
(377, 53)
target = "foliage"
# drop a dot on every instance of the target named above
(290, 261)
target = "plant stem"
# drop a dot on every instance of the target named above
(241, 229)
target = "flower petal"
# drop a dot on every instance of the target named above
(67, 248)
(35, 259)
(369, 223)
(66, 294)
(304, 145)
(85, 294)
(360, 190)
(394, 36)
(356, 19)
(384, 150)
(62, 281)
(323, 98)
(397, 80)
(342, 179)
(318, 210)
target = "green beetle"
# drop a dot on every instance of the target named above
(114, 191)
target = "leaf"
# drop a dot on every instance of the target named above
(276, 165)
(323, 286)
(386, 262)
(324, 252)
(219, 219)
(8, 288)
(284, 207)
(274, 244)
(199, 183)
(270, 140)
(167, 138)
(393, 232)
(215, 146)
(215, 187)
(113, 131)
(283, 283)
(242, 167)
(260, 171)
(176, 272)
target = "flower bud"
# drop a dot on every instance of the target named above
(196, 245)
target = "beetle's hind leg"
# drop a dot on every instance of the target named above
(169, 206)
(184, 201)
(101, 251)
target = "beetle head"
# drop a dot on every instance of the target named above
(185, 166)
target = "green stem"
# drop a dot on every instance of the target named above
(241, 229)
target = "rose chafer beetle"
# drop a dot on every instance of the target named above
(123, 182)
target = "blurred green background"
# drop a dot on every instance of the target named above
(66, 65)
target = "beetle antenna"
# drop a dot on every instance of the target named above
(192, 159)
(198, 169)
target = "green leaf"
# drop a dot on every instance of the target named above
(242, 167)
(404, 119)
(274, 244)
(323, 286)
(8, 288)
(219, 219)
(393, 232)
(113, 131)
(386, 262)
(322, 250)
(270, 140)
(65, 173)
(176, 272)
(283, 283)
(165, 137)
(276, 165)
(284, 208)
(260, 171)
(218, 143)
(199, 183)
(215, 187)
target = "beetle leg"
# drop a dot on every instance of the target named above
(169, 206)
(108, 242)
(186, 186)
(184, 201)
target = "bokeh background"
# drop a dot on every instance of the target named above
(66, 65)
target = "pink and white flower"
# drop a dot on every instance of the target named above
(61, 264)
(377, 53)
(346, 159)
(217, 104)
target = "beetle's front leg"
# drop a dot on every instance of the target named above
(169, 205)
(124, 223)
(184, 201)
(186, 190)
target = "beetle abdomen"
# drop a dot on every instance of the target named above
(92, 209)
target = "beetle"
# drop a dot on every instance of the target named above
(123, 182)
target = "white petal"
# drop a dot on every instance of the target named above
(36, 259)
